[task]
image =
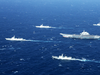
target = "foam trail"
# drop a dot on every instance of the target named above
(89, 61)
(43, 41)
(73, 59)
(62, 28)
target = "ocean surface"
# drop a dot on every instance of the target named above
(19, 18)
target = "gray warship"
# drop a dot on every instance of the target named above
(83, 35)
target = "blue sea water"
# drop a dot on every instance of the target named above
(19, 18)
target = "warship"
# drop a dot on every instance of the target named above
(41, 26)
(15, 39)
(61, 57)
(83, 35)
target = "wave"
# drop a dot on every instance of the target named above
(73, 59)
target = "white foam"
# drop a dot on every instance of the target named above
(60, 65)
(70, 46)
(21, 59)
(15, 72)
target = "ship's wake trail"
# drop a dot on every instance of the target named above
(61, 28)
(73, 59)
(43, 41)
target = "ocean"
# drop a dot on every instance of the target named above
(34, 57)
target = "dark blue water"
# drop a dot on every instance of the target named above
(19, 18)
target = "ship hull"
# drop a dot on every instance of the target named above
(15, 39)
(43, 27)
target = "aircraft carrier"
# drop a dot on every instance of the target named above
(83, 35)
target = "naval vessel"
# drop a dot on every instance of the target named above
(83, 35)
(42, 26)
(15, 39)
